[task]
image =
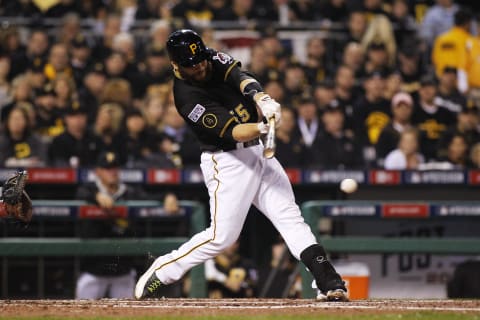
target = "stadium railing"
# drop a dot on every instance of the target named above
(155, 176)
(314, 210)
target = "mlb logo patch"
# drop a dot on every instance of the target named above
(196, 113)
(222, 57)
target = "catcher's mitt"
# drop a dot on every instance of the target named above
(17, 202)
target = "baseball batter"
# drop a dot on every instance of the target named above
(219, 102)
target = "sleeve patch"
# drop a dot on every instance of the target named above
(223, 58)
(210, 120)
(196, 113)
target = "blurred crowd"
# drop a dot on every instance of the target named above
(389, 84)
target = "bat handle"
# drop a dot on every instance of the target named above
(269, 150)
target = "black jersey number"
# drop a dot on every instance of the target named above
(242, 113)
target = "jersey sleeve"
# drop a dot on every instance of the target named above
(223, 65)
(229, 70)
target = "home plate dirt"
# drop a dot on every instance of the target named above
(198, 307)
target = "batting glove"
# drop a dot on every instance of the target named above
(270, 108)
(262, 127)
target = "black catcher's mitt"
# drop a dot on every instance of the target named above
(17, 202)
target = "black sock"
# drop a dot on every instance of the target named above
(315, 258)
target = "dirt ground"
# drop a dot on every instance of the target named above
(242, 307)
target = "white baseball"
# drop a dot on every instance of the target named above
(348, 185)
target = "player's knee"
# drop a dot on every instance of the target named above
(223, 242)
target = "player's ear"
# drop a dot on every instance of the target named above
(176, 72)
(175, 67)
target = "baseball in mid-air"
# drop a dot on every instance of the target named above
(348, 185)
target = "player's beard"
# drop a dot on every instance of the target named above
(199, 76)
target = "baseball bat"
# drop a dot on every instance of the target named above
(269, 150)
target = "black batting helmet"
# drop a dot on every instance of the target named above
(186, 48)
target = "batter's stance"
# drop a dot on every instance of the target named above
(219, 101)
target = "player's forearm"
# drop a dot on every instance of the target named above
(245, 132)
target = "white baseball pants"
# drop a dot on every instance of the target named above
(235, 180)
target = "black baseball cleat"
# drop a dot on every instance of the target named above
(337, 295)
(336, 292)
(148, 288)
(331, 287)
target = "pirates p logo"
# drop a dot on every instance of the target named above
(193, 48)
(110, 157)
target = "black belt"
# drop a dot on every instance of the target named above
(254, 142)
(239, 145)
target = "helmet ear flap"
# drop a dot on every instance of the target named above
(186, 48)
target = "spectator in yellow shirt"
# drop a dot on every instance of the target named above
(58, 62)
(451, 48)
(473, 71)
